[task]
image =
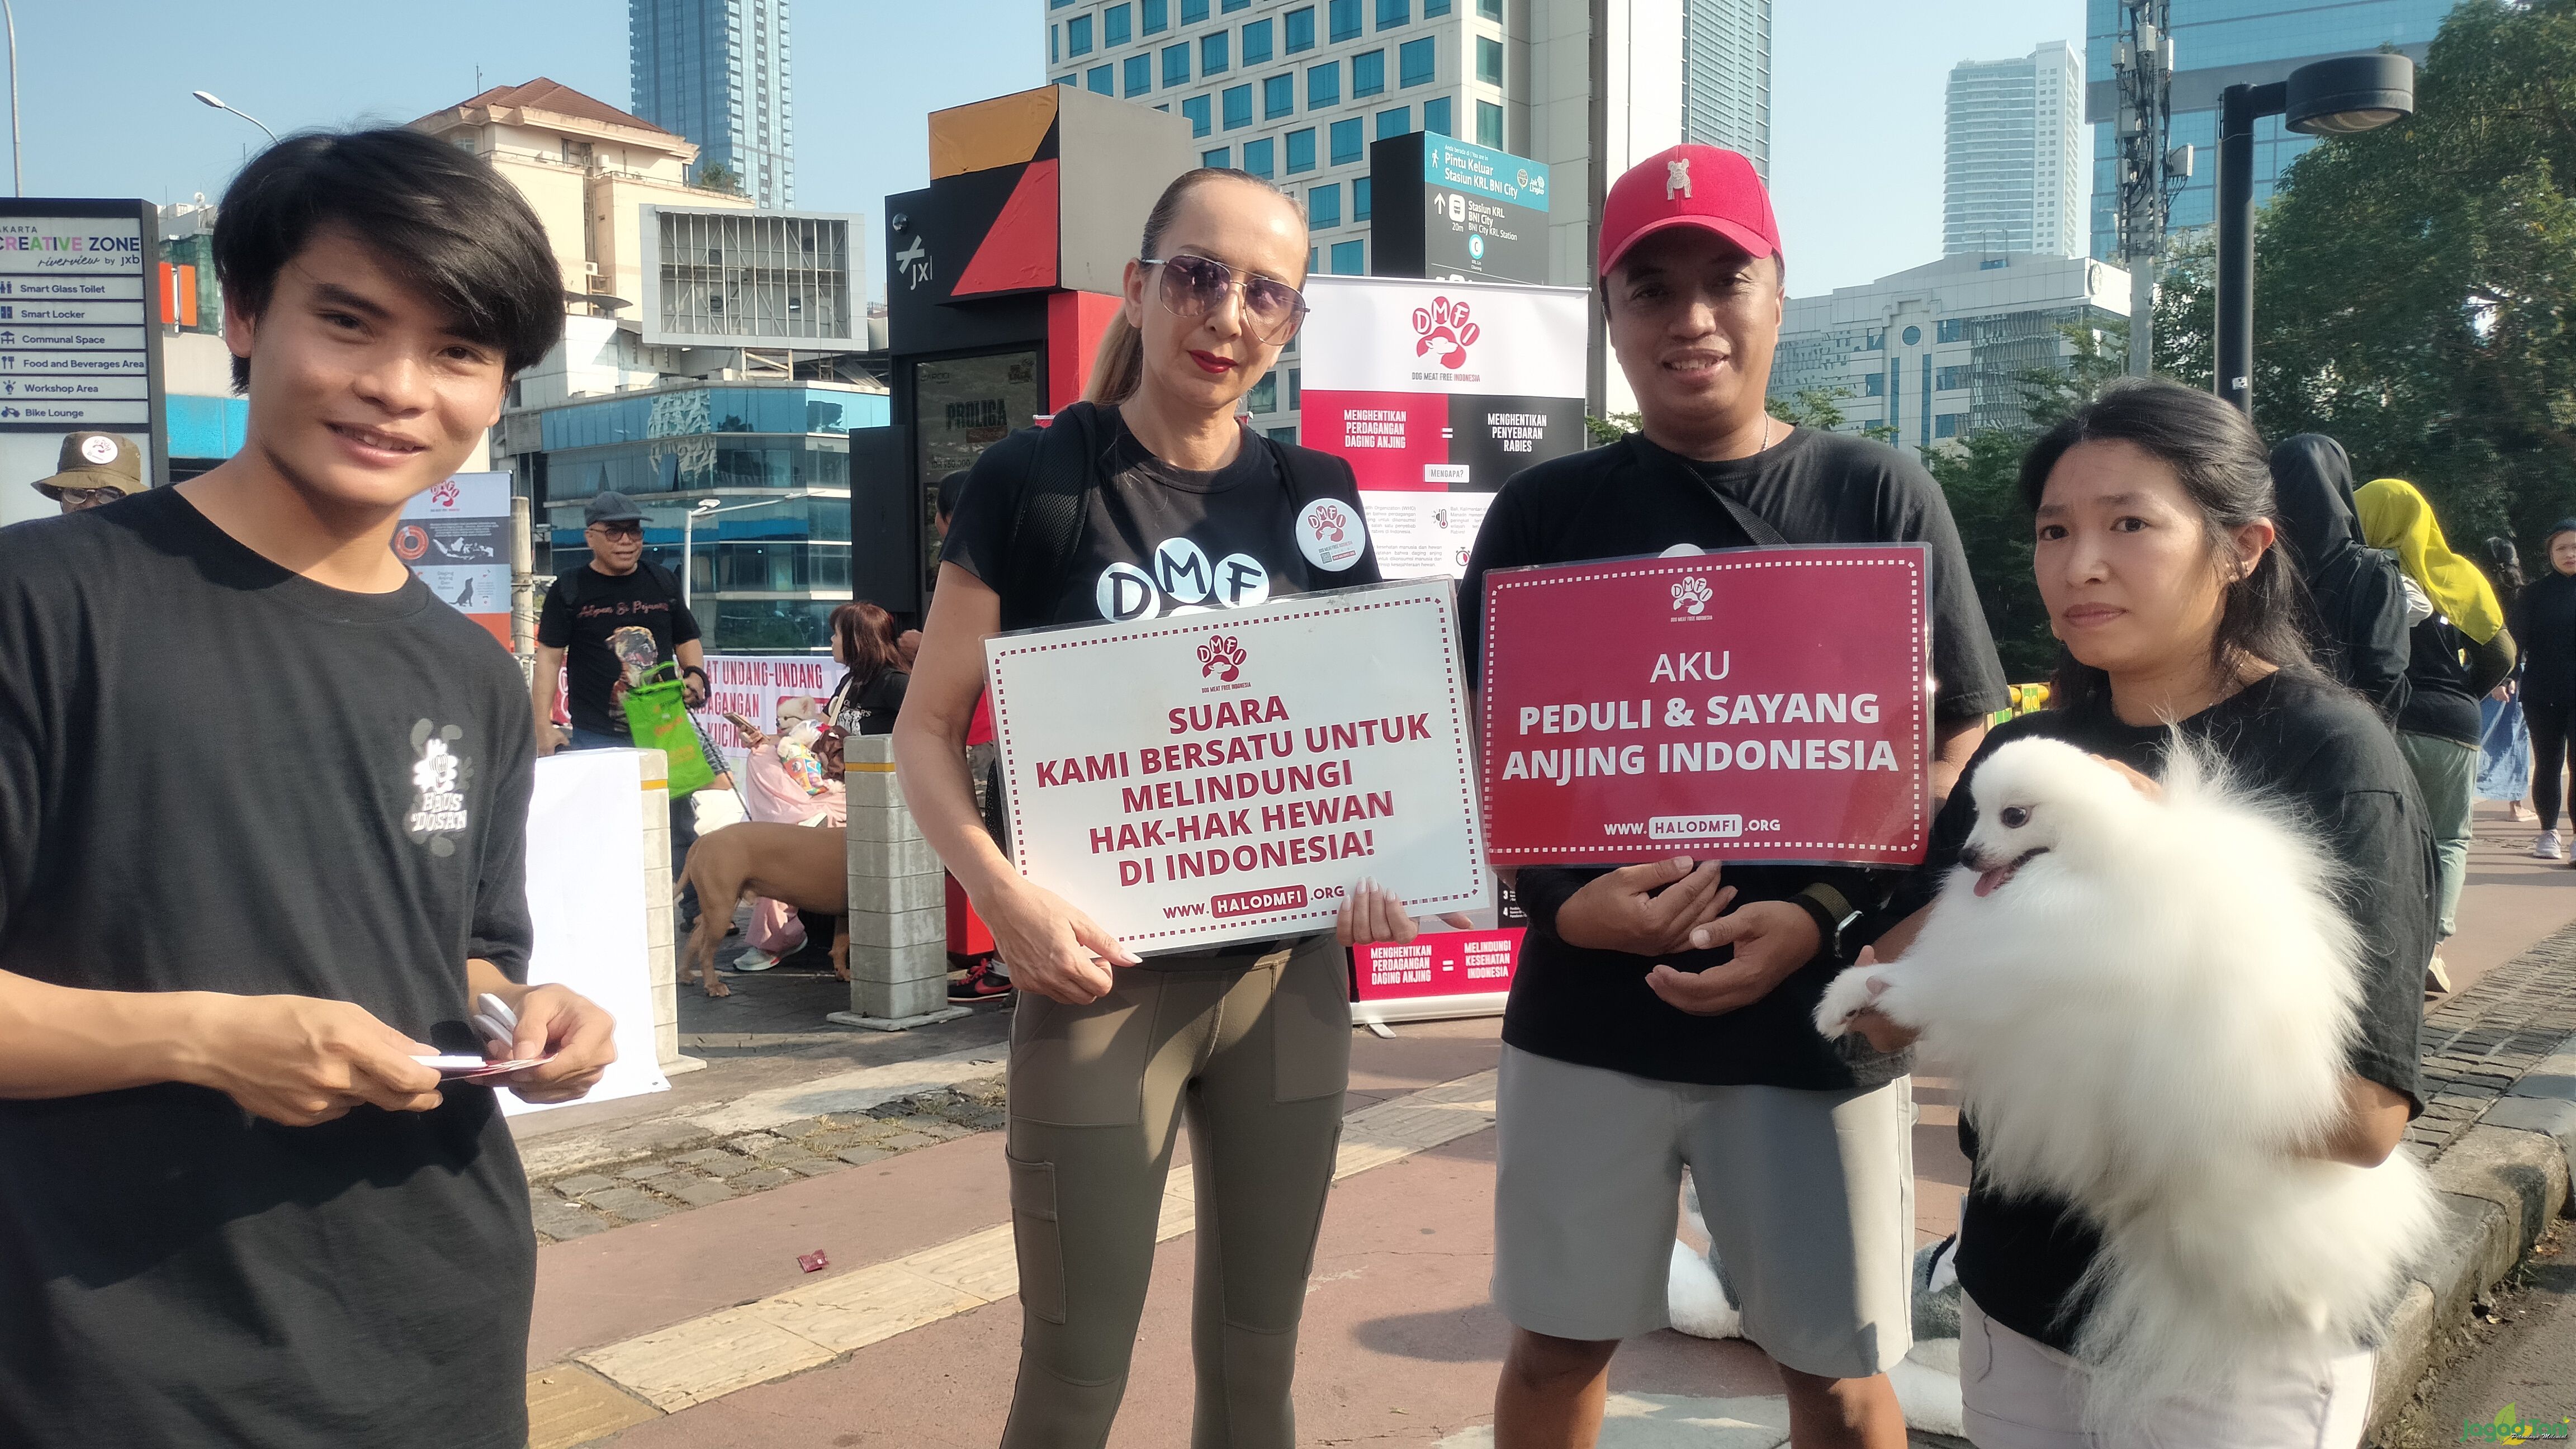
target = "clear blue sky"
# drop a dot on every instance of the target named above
(1856, 93)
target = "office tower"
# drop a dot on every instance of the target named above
(2014, 179)
(716, 72)
(1726, 77)
(2219, 43)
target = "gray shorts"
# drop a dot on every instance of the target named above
(1809, 1197)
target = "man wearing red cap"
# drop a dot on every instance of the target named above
(1650, 1026)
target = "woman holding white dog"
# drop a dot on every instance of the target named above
(2157, 555)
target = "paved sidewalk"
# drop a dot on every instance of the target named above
(696, 1325)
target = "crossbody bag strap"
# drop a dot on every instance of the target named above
(1047, 520)
(1755, 526)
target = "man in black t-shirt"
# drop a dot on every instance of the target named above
(235, 1206)
(1648, 1026)
(615, 612)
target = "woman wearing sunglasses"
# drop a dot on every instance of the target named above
(1147, 499)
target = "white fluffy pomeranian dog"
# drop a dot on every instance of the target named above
(2147, 1004)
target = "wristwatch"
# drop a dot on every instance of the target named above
(1831, 913)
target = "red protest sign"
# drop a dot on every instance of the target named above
(1755, 704)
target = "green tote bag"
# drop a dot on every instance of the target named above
(657, 715)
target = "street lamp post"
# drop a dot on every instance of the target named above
(2341, 97)
(208, 98)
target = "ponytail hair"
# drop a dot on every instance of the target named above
(1118, 367)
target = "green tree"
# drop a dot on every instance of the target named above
(1821, 408)
(717, 176)
(2415, 286)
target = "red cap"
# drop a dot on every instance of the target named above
(1708, 187)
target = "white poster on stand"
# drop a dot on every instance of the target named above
(1435, 393)
(586, 900)
(1248, 768)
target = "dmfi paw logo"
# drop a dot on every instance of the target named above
(1330, 522)
(1691, 594)
(446, 493)
(1223, 657)
(1444, 324)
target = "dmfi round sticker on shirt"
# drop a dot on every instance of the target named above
(1331, 534)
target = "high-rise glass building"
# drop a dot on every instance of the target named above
(716, 72)
(2014, 175)
(2219, 43)
(1726, 77)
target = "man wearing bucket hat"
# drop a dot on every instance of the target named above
(1651, 1027)
(94, 468)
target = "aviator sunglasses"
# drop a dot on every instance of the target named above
(1192, 286)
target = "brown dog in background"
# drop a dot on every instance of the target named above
(807, 866)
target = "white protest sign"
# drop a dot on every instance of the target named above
(1213, 777)
(751, 685)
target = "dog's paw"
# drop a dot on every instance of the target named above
(1854, 989)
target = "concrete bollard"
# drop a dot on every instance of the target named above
(661, 913)
(898, 915)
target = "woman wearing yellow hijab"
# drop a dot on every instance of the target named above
(2458, 651)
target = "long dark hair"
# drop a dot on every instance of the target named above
(2219, 459)
(1118, 368)
(866, 636)
(2503, 564)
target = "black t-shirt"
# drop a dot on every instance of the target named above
(871, 708)
(644, 599)
(2544, 625)
(2322, 749)
(1631, 498)
(216, 775)
(2441, 700)
(1159, 540)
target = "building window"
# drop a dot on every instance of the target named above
(1158, 16)
(1113, 25)
(1392, 13)
(1296, 388)
(1948, 425)
(1346, 19)
(1238, 107)
(1196, 109)
(1231, 6)
(1950, 329)
(1220, 158)
(1077, 36)
(1103, 80)
(1278, 96)
(1051, 59)
(1431, 8)
(1347, 141)
(1324, 205)
(1911, 337)
(1368, 74)
(1256, 42)
(1396, 122)
(1176, 65)
(1256, 157)
(1435, 117)
(1359, 198)
(1490, 9)
(1874, 385)
(1069, 79)
(1212, 52)
(1300, 25)
(1324, 84)
(1282, 435)
(1301, 151)
(1950, 379)
(1489, 60)
(1417, 60)
(1193, 11)
(1264, 395)
(1350, 259)
(1489, 125)
(1140, 74)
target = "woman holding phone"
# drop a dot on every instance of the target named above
(1149, 498)
(2159, 559)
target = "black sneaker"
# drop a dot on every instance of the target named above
(978, 983)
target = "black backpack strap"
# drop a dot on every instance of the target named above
(1755, 526)
(1048, 517)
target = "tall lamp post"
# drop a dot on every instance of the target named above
(2341, 97)
(208, 98)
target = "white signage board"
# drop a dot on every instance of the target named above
(1435, 392)
(1192, 780)
(586, 900)
(74, 329)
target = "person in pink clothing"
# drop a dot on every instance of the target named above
(786, 783)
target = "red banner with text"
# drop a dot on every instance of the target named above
(1755, 704)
